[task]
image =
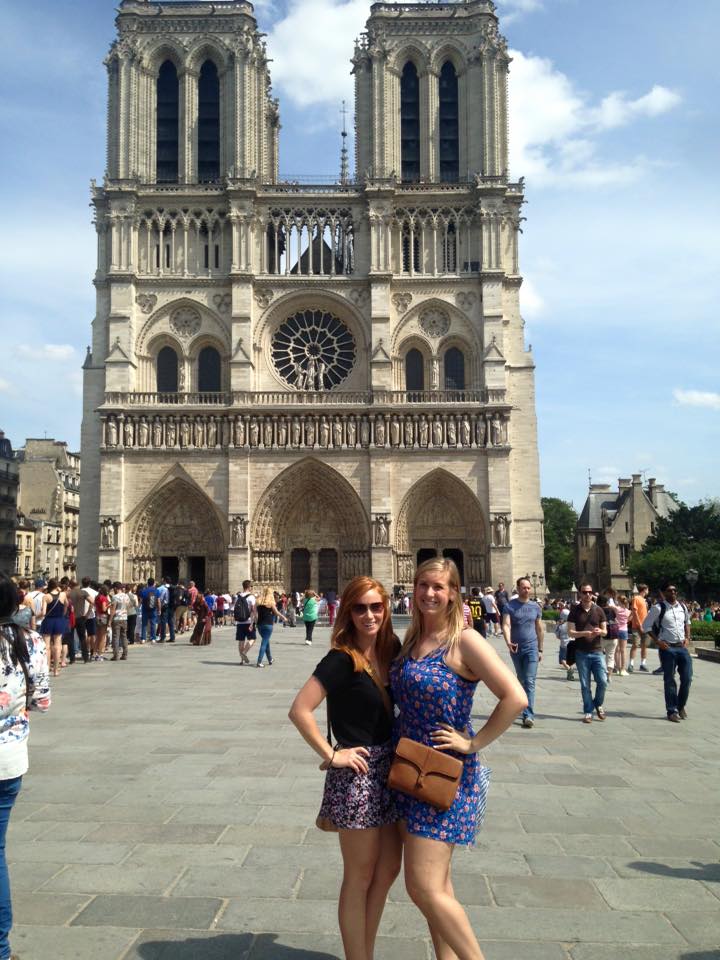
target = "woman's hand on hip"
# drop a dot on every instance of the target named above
(353, 757)
(448, 738)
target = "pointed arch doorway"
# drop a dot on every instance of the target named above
(176, 531)
(310, 529)
(441, 517)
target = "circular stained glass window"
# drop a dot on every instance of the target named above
(313, 350)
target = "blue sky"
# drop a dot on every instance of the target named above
(614, 126)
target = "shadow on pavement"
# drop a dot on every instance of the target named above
(702, 955)
(228, 946)
(709, 872)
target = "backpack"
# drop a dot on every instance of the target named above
(150, 599)
(243, 610)
(657, 626)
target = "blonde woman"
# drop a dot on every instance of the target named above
(433, 683)
(266, 611)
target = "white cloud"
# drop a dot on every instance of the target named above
(532, 304)
(47, 351)
(555, 130)
(4, 386)
(511, 10)
(697, 398)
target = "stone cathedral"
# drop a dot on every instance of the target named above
(303, 382)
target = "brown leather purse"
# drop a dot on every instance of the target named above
(425, 773)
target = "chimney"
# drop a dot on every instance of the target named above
(623, 484)
(600, 488)
(637, 479)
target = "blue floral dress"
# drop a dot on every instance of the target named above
(428, 693)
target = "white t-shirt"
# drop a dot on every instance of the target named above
(90, 596)
(121, 602)
(252, 603)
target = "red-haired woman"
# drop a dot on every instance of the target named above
(356, 801)
(433, 681)
(202, 632)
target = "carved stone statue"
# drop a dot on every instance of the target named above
(364, 432)
(212, 432)
(437, 432)
(351, 432)
(324, 431)
(157, 432)
(108, 534)
(451, 431)
(239, 432)
(238, 531)
(394, 432)
(129, 434)
(254, 432)
(497, 431)
(465, 432)
(435, 374)
(409, 432)
(480, 431)
(321, 374)
(111, 433)
(143, 433)
(310, 373)
(424, 432)
(381, 531)
(184, 433)
(299, 375)
(501, 530)
(170, 433)
(268, 433)
(310, 433)
(225, 433)
(488, 431)
(199, 432)
(337, 432)
(295, 431)
(379, 432)
(282, 432)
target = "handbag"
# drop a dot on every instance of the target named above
(570, 652)
(425, 773)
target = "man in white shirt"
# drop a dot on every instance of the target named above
(669, 622)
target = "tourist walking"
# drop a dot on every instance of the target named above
(492, 614)
(524, 633)
(244, 616)
(267, 611)
(587, 626)
(54, 623)
(118, 621)
(638, 616)
(310, 613)
(133, 606)
(669, 622)
(149, 611)
(622, 618)
(80, 600)
(357, 802)
(24, 685)
(202, 631)
(102, 605)
(433, 683)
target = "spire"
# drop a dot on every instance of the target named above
(343, 150)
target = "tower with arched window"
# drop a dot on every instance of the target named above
(297, 382)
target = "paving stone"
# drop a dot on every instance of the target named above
(543, 891)
(563, 925)
(67, 852)
(188, 913)
(603, 951)
(707, 872)
(496, 950)
(45, 908)
(581, 779)
(658, 893)
(130, 878)
(587, 826)
(278, 882)
(211, 814)
(183, 855)
(567, 866)
(71, 943)
(596, 846)
(174, 832)
(180, 945)
(280, 836)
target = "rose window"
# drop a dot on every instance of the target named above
(313, 350)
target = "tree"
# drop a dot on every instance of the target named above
(688, 538)
(560, 522)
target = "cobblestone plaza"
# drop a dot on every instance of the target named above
(169, 815)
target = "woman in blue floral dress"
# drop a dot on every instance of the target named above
(433, 683)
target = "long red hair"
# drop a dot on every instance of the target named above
(343, 635)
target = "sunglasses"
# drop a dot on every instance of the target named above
(586, 591)
(360, 608)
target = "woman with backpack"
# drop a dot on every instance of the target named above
(24, 685)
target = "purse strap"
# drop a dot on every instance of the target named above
(383, 692)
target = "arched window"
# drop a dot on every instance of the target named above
(208, 123)
(449, 140)
(454, 369)
(410, 123)
(414, 370)
(167, 371)
(168, 117)
(208, 370)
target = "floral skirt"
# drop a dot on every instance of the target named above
(358, 801)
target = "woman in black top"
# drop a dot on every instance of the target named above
(356, 800)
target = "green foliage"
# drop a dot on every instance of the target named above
(689, 538)
(700, 630)
(550, 614)
(560, 520)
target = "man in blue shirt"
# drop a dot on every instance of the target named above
(524, 635)
(150, 609)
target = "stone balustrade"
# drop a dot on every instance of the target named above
(288, 398)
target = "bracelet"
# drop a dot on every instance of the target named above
(335, 750)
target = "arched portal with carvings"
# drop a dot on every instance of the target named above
(309, 523)
(177, 531)
(440, 516)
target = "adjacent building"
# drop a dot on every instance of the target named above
(8, 505)
(49, 496)
(26, 551)
(614, 523)
(303, 382)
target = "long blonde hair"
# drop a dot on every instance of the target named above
(455, 622)
(267, 599)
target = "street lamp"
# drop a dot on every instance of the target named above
(691, 576)
(535, 580)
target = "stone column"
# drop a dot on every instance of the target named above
(187, 160)
(314, 569)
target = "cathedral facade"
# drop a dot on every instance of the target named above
(300, 383)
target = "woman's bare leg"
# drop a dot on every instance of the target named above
(360, 852)
(427, 878)
(386, 870)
